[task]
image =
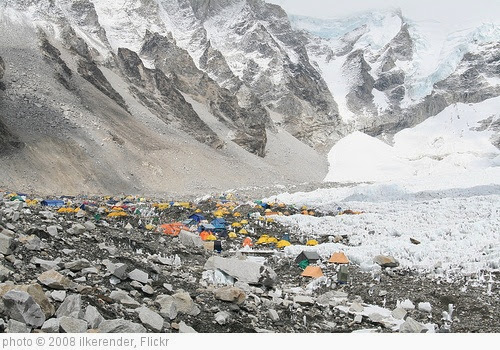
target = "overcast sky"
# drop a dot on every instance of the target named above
(440, 10)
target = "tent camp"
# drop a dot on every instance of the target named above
(310, 256)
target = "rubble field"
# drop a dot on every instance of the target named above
(112, 264)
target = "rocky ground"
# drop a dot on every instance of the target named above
(84, 270)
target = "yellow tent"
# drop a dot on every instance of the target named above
(236, 214)
(244, 222)
(282, 244)
(243, 231)
(272, 240)
(236, 224)
(211, 237)
(262, 239)
(312, 242)
(232, 235)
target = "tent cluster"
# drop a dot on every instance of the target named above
(310, 261)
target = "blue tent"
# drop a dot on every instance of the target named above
(52, 203)
(219, 223)
(197, 218)
(207, 227)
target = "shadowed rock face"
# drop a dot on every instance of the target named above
(249, 123)
(159, 93)
(8, 141)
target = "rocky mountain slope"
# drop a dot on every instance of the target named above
(204, 88)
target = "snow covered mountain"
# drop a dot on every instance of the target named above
(167, 92)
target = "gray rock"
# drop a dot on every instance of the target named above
(136, 285)
(190, 239)
(243, 270)
(184, 328)
(398, 313)
(222, 317)
(71, 307)
(32, 242)
(147, 289)
(150, 319)
(119, 270)
(167, 306)
(21, 307)
(93, 317)
(90, 270)
(89, 226)
(52, 230)
(303, 300)
(72, 325)
(356, 307)
(123, 298)
(14, 326)
(36, 292)
(46, 214)
(232, 294)
(78, 229)
(54, 280)
(273, 314)
(412, 326)
(5, 273)
(385, 261)
(51, 326)
(58, 295)
(47, 264)
(185, 305)
(358, 318)
(138, 275)
(121, 326)
(77, 265)
(5, 244)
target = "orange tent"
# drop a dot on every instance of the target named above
(204, 235)
(312, 271)
(173, 229)
(339, 258)
(247, 242)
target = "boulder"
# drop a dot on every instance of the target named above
(78, 229)
(222, 317)
(77, 265)
(14, 326)
(412, 326)
(398, 313)
(36, 292)
(52, 230)
(47, 264)
(190, 239)
(150, 319)
(5, 244)
(231, 294)
(120, 326)
(185, 305)
(167, 306)
(243, 270)
(138, 275)
(58, 295)
(71, 307)
(147, 289)
(386, 261)
(303, 300)
(51, 326)
(123, 298)
(54, 280)
(72, 325)
(184, 328)
(21, 307)
(119, 270)
(93, 317)
(273, 314)
(89, 226)
(5, 273)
